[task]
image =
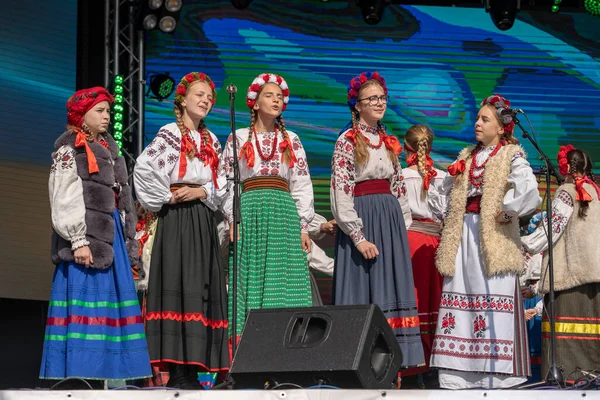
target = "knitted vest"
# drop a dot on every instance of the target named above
(576, 254)
(500, 242)
(99, 199)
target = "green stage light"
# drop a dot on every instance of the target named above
(592, 6)
(119, 80)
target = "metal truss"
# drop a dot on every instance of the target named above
(124, 55)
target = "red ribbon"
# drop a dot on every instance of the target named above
(351, 135)
(248, 151)
(582, 194)
(212, 159)
(458, 167)
(392, 143)
(431, 172)
(81, 141)
(287, 143)
(187, 146)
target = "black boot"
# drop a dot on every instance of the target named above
(177, 376)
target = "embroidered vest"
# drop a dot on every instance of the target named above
(99, 199)
(500, 242)
(576, 254)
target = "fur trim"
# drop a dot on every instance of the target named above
(500, 242)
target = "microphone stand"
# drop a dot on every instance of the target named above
(554, 376)
(232, 89)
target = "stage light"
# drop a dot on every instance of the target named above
(119, 111)
(372, 10)
(241, 4)
(167, 24)
(161, 86)
(592, 6)
(173, 5)
(149, 22)
(503, 12)
(155, 4)
(160, 14)
(556, 6)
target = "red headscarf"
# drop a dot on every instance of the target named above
(77, 106)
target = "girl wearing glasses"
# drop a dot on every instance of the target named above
(369, 203)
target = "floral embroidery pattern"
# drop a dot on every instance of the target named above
(467, 348)
(342, 167)
(479, 326)
(357, 237)
(63, 160)
(448, 323)
(397, 185)
(170, 138)
(161, 163)
(478, 302)
(172, 158)
(301, 165)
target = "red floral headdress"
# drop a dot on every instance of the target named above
(561, 157)
(263, 79)
(500, 103)
(187, 81)
(357, 82)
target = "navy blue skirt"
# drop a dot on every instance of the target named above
(386, 280)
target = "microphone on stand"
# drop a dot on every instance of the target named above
(511, 111)
(231, 89)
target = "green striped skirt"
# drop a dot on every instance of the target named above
(272, 267)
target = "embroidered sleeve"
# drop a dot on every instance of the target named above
(301, 187)
(214, 196)
(153, 169)
(523, 197)
(228, 159)
(562, 210)
(67, 206)
(398, 188)
(314, 228)
(342, 190)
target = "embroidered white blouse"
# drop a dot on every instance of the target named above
(157, 168)
(298, 177)
(413, 180)
(67, 207)
(317, 258)
(562, 210)
(345, 174)
(519, 198)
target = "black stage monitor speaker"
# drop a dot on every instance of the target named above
(343, 346)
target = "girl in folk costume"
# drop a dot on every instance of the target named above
(177, 176)
(424, 232)
(276, 205)
(480, 337)
(576, 226)
(94, 328)
(369, 203)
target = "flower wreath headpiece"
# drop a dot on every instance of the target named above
(500, 103)
(357, 82)
(561, 157)
(262, 80)
(190, 78)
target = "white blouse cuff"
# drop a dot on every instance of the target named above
(79, 242)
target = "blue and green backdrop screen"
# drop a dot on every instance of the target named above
(439, 63)
(37, 76)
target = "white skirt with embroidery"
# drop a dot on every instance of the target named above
(474, 345)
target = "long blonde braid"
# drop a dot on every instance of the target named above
(361, 153)
(420, 139)
(287, 153)
(178, 111)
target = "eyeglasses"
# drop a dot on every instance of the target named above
(373, 100)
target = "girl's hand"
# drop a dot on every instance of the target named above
(83, 256)
(368, 250)
(306, 243)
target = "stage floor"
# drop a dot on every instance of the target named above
(313, 394)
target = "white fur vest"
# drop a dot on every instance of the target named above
(576, 253)
(99, 199)
(499, 242)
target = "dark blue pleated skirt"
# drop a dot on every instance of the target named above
(387, 280)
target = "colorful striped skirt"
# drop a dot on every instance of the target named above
(577, 331)
(386, 280)
(272, 267)
(94, 328)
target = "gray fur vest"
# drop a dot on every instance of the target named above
(99, 199)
